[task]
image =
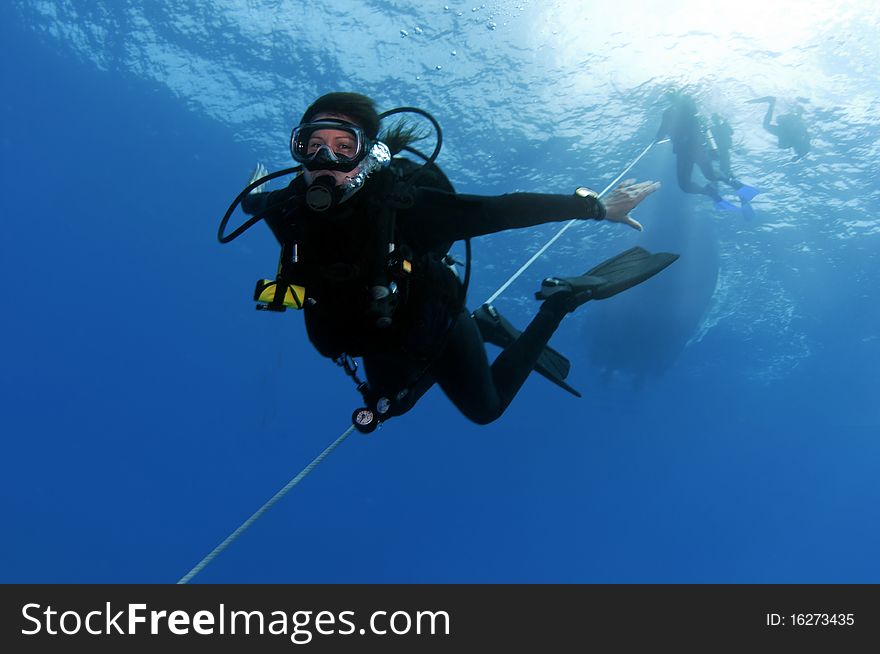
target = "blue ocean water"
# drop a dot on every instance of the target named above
(728, 429)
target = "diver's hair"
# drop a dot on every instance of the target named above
(359, 107)
(362, 110)
(400, 135)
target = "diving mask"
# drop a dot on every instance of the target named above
(328, 144)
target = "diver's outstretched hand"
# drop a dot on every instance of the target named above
(624, 198)
(259, 171)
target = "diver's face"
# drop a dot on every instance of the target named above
(338, 141)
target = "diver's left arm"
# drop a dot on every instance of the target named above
(451, 217)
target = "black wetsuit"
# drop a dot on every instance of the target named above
(683, 126)
(337, 250)
(790, 130)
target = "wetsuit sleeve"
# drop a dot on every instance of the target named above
(255, 203)
(440, 217)
(270, 206)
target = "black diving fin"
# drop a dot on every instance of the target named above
(609, 278)
(496, 329)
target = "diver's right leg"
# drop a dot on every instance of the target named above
(745, 192)
(462, 371)
(512, 367)
(712, 175)
(724, 164)
(483, 392)
(684, 170)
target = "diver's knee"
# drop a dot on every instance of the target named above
(482, 415)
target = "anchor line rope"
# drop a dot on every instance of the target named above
(268, 505)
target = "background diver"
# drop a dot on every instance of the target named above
(722, 140)
(404, 312)
(693, 144)
(789, 129)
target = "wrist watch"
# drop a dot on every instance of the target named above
(595, 208)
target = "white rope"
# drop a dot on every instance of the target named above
(565, 227)
(268, 505)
